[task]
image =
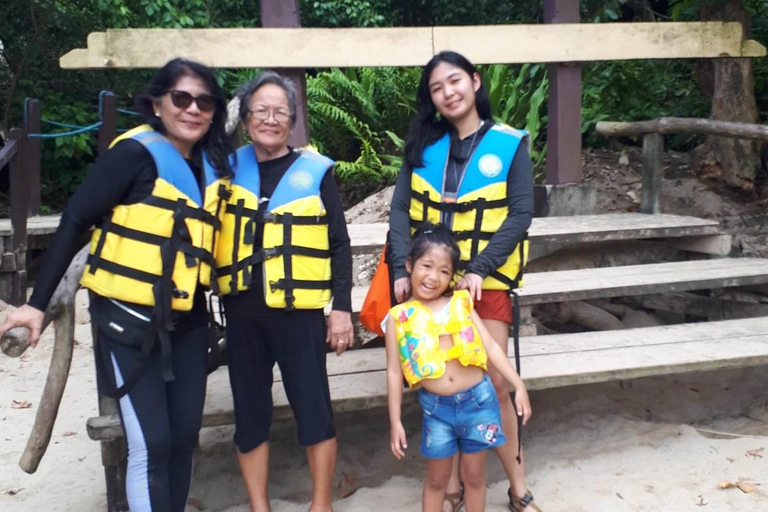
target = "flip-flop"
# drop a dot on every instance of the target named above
(519, 504)
(455, 499)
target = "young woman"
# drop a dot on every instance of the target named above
(463, 170)
(154, 196)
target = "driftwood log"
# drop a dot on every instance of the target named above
(16, 341)
(669, 125)
(61, 311)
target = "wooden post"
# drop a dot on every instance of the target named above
(108, 117)
(653, 173)
(114, 453)
(564, 125)
(19, 208)
(285, 14)
(32, 125)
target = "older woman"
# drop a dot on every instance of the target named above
(154, 196)
(284, 252)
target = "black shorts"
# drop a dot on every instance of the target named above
(296, 341)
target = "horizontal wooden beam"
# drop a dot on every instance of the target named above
(411, 46)
(669, 125)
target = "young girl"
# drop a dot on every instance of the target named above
(439, 344)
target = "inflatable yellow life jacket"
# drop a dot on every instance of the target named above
(418, 338)
(481, 205)
(157, 251)
(295, 257)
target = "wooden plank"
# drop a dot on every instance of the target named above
(583, 228)
(569, 285)
(717, 245)
(358, 378)
(653, 173)
(8, 151)
(599, 283)
(411, 46)
(572, 229)
(39, 225)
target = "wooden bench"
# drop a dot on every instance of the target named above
(607, 227)
(353, 386)
(358, 378)
(630, 280)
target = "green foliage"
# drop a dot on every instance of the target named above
(518, 98)
(342, 13)
(358, 116)
(639, 90)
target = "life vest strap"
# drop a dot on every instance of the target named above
(289, 219)
(459, 207)
(303, 284)
(121, 270)
(190, 212)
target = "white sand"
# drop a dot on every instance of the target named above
(630, 446)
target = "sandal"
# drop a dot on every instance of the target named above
(518, 504)
(455, 499)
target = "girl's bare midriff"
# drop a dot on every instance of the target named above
(457, 378)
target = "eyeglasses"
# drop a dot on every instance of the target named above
(182, 100)
(262, 114)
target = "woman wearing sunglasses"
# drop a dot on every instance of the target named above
(155, 198)
(284, 252)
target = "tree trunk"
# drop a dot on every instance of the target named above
(733, 99)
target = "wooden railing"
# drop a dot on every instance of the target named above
(653, 145)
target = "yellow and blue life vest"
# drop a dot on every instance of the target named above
(157, 251)
(481, 204)
(418, 338)
(234, 253)
(295, 250)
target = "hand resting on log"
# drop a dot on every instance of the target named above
(23, 327)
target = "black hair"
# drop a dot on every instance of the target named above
(428, 235)
(216, 143)
(427, 127)
(246, 92)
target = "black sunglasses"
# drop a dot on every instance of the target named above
(182, 100)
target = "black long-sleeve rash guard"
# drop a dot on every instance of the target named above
(125, 174)
(509, 234)
(251, 302)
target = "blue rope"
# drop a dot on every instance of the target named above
(129, 112)
(61, 125)
(84, 129)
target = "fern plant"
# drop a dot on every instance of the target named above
(357, 116)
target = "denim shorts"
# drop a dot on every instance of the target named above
(467, 422)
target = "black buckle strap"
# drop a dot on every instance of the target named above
(121, 270)
(94, 260)
(190, 212)
(290, 219)
(516, 344)
(458, 207)
(287, 221)
(303, 284)
(238, 210)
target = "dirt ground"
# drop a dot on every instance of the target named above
(653, 445)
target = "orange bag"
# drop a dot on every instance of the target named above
(378, 301)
